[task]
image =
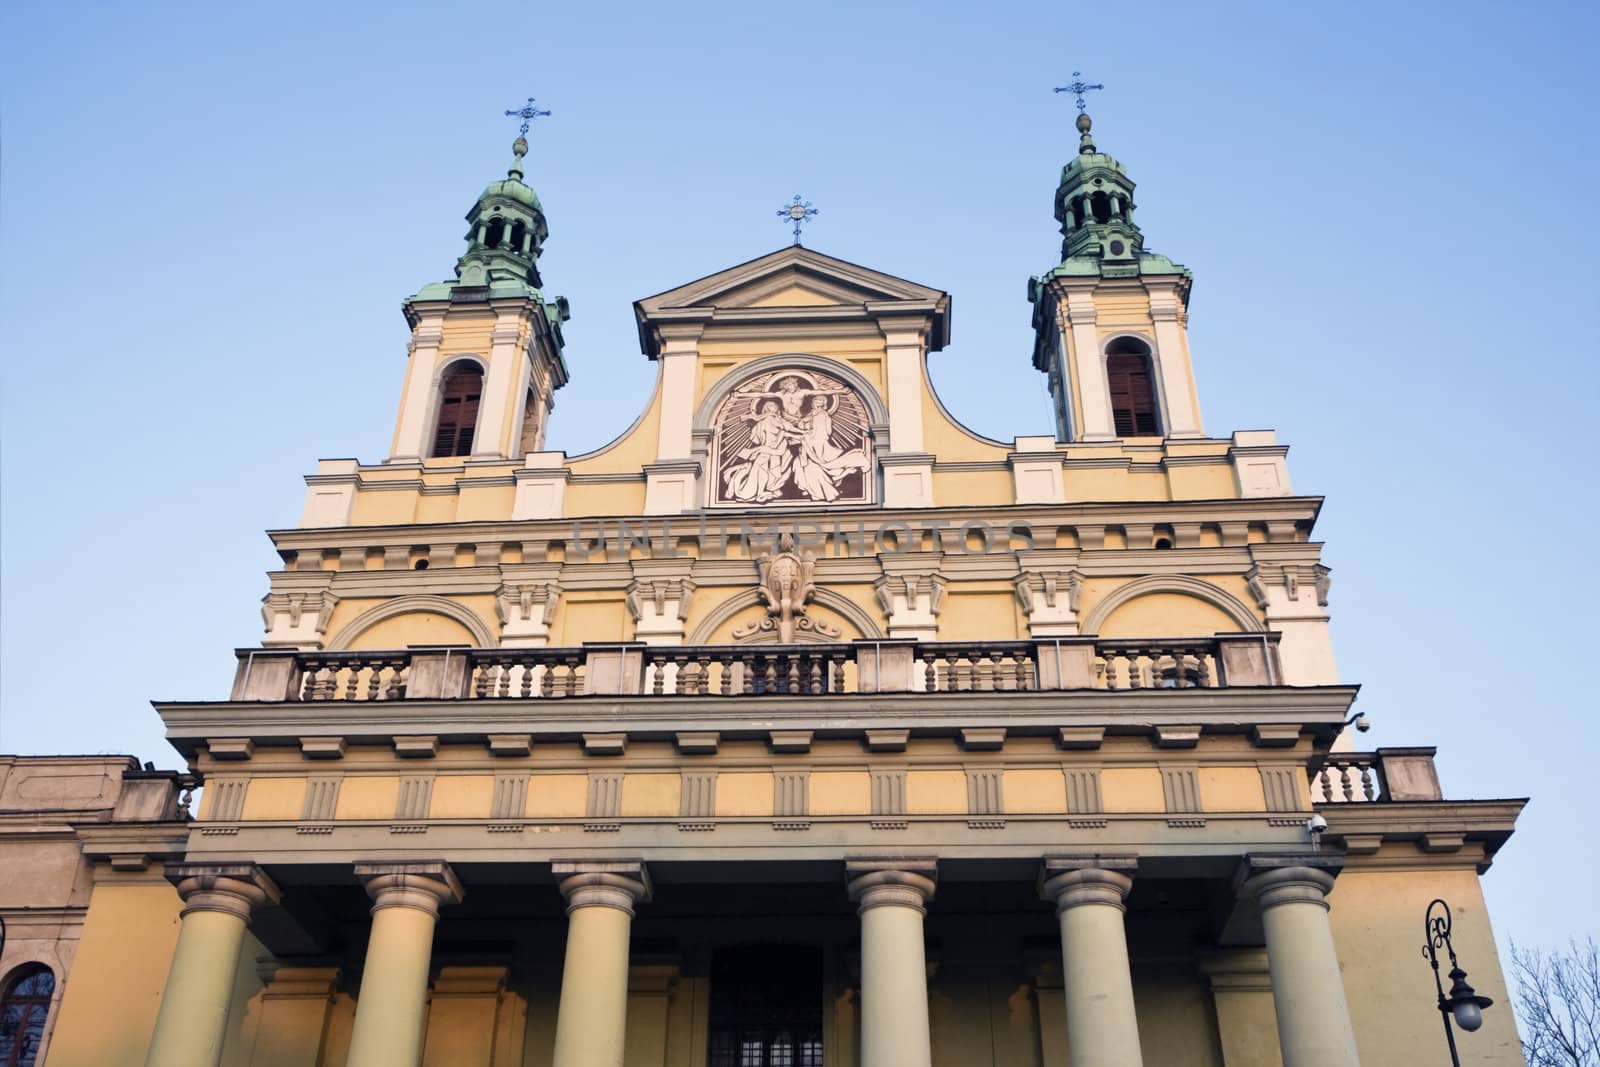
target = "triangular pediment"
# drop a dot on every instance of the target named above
(791, 286)
(806, 277)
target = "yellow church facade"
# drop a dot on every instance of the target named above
(799, 725)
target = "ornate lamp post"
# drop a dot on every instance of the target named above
(1463, 1002)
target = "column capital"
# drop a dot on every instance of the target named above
(1288, 878)
(616, 884)
(235, 888)
(1074, 880)
(900, 882)
(423, 886)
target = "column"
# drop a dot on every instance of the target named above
(592, 1019)
(1102, 1029)
(1308, 993)
(393, 1002)
(217, 901)
(890, 897)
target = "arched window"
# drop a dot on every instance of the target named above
(497, 229)
(23, 1009)
(1133, 398)
(458, 411)
(1100, 204)
(518, 232)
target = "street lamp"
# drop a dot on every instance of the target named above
(1463, 1002)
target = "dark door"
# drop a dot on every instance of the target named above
(766, 1007)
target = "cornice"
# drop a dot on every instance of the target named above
(1443, 831)
(1136, 713)
(1091, 513)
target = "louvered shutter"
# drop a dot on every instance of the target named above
(458, 414)
(1133, 402)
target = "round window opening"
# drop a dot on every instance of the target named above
(1117, 248)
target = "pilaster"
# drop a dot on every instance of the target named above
(416, 406)
(1181, 409)
(1088, 367)
(541, 487)
(503, 385)
(1291, 586)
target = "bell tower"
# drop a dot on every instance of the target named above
(485, 357)
(1111, 319)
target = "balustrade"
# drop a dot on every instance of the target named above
(527, 673)
(978, 668)
(747, 670)
(1068, 663)
(353, 676)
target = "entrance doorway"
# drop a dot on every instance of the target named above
(766, 1006)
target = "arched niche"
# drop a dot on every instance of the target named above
(1169, 606)
(413, 620)
(791, 429)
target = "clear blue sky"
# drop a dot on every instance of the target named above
(209, 214)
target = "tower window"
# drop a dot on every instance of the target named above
(458, 412)
(1100, 204)
(518, 231)
(23, 1010)
(497, 229)
(1133, 400)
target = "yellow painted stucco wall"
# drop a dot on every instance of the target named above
(1132, 789)
(744, 793)
(1373, 912)
(558, 796)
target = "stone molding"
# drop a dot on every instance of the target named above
(1297, 878)
(298, 618)
(525, 603)
(619, 884)
(423, 885)
(1071, 881)
(898, 882)
(1216, 596)
(403, 605)
(235, 889)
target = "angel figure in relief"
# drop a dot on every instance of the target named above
(820, 464)
(763, 465)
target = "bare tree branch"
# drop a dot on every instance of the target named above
(1558, 1004)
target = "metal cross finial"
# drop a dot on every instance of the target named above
(1078, 88)
(798, 213)
(527, 113)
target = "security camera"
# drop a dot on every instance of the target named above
(1316, 824)
(1363, 724)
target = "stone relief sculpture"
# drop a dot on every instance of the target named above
(786, 583)
(792, 436)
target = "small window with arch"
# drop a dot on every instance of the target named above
(459, 394)
(1133, 397)
(24, 1006)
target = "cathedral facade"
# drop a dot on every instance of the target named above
(798, 726)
